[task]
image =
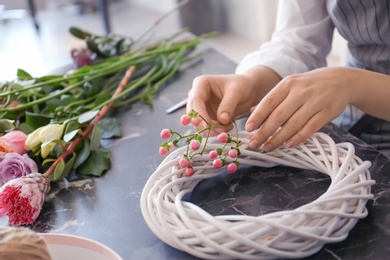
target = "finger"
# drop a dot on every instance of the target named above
(199, 96)
(289, 108)
(253, 109)
(266, 106)
(292, 126)
(222, 128)
(312, 126)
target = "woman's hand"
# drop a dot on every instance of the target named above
(299, 106)
(219, 98)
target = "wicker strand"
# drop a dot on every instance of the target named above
(294, 233)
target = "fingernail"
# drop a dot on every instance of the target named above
(218, 130)
(289, 144)
(225, 115)
(268, 147)
(249, 126)
(254, 144)
(204, 124)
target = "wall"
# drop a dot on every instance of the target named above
(162, 6)
(253, 19)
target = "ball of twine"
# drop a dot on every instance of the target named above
(295, 233)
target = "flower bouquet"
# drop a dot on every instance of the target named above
(52, 125)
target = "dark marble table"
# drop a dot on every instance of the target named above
(107, 209)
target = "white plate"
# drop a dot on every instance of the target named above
(64, 247)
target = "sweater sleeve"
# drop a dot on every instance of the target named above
(301, 41)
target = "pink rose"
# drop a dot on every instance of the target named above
(14, 165)
(13, 142)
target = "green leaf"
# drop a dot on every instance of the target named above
(66, 100)
(83, 70)
(82, 155)
(49, 78)
(59, 171)
(96, 164)
(6, 125)
(71, 126)
(147, 99)
(19, 87)
(91, 44)
(87, 116)
(198, 138)
(69, 136)
(78, 33)
(102, 97)
(95, 138)
(110, 127)
(52, 104)
(25, 128)
(37, 120)
(69, 166)
(23, 75)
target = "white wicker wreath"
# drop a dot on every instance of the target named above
(285, 234)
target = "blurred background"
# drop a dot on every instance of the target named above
(34, 33)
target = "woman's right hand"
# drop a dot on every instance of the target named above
(220, 98)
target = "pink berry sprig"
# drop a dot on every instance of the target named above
(219, 158)
(194, 144)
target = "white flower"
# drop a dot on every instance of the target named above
(44, 136)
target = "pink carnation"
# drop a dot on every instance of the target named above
(22, 199)
(13, 142)
(14, 165)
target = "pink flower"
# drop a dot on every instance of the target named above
(233, 153)
(232, 168)
(14, 165)
(195, 145)
(217, 163)
(185, 120)
(165, 133)
(189, 171)
(22, 199)
(13, 142)
(213, 154)
(163, 151)
(196, 121)
(223, 137)
(184, 163)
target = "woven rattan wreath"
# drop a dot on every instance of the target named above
(285, 234)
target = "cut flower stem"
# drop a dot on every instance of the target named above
(90, 126)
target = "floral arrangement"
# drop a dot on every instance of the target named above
(53, 125)
(196, 145)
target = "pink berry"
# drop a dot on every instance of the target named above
(184, 163)
(223, 137)
(196, 121)
(189, 171)
(185, 120)
(213, 154)
(232, 168)
(195, 145)
(217, 163)
(165, 133)
(162, 151)
(171, 146)
(233, 153)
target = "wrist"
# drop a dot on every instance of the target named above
(262, 78)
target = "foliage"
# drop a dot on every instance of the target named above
(73, 99)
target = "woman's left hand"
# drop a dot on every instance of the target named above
(299, 106)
